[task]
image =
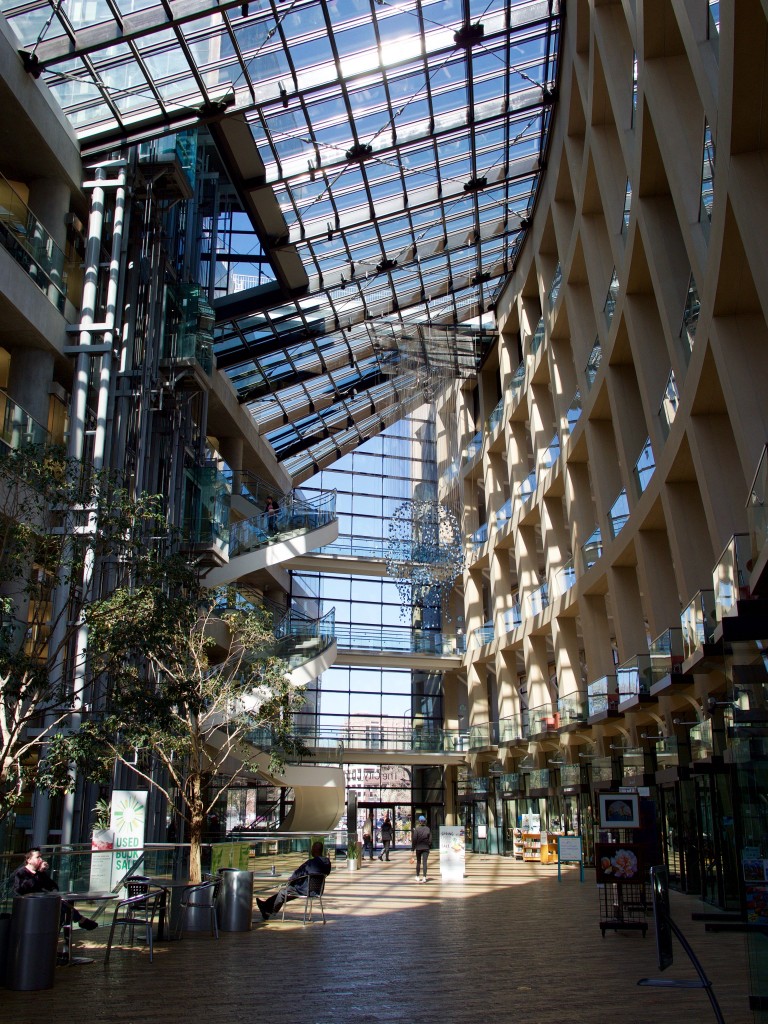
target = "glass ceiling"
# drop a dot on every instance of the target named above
(402, 140)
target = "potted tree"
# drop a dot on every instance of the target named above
(354, 855)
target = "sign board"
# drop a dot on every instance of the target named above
(126, 828)
(229, 855)
(569, 851)
(452, 853)
(482, 831)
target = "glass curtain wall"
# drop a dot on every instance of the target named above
(377, 706)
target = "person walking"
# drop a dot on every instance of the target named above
(386, 838)
(421, 843)
(272, 509)
(368, 843)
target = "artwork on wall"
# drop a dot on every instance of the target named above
(619, 810)
(619, 863)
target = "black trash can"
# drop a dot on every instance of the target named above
(234, 905)
(32, 942)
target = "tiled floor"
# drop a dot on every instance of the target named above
(508, 945)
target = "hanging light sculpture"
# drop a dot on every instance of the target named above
(425, 553)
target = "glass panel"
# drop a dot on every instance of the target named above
(731, 576)
(757, 507)
(707, 177)
(538, 337)
(644, 468)
(593, 363)
(554, 288)
(592, 549)
(698, 621)
(610, 299)
(690, 316)
(619, 514)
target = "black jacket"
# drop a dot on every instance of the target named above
(422, 838)
(25, 881)
(313, 866)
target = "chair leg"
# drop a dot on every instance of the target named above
(214, 923)
(109, 942)
(149, 940)
(322, 908)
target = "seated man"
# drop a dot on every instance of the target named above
(33, 876)
(297, 883)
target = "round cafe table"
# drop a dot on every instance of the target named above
(69, 901)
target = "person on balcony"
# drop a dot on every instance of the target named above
(272, 509)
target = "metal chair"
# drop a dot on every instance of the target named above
(203, 898)
(315, 889)
(137, 885)
(136, 910)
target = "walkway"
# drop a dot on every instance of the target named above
(509, 945)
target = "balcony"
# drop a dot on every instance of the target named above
(483, 736)
(634, 681)
(538, 600)
(397, 640)
(482, 635)
(602, 769)
(511, 782)
(474, 447)
(644, 468)
(527, 488)
(618, 514)
(563, 579)
(603, 697)
(538, 337)
(207, 501)
(667, 654)
(551, 453)
(511, 729)
(592, 548)
(690, 319)
(698, 621)
(572, 711)
(542, 720)
(731, 576)
(573, 413)
(32, 247)
(633, 763)
(513, 617)
(667, 755)
(496, 417)
(19, 428)
(518, 379)
(593, 363)
(757, 508)
(554, 288)
(610, 299)
(504, 514)
(669, 404)
(702, 743)
(538, 780)
(296, 515)
(570, 774)
(479, 537)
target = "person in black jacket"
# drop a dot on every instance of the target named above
(33, 876)
(298, 883)
(421, 843)
(386, 838)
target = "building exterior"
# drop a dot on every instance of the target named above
(196, 307)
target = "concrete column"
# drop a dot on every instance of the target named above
(657, 577)
(473, 601)
(537, 671)
(231, 449)
(565, 638)
(628, 617)
(477, 695)
(501, 587)
(31, 371)
(49, 201)
(596, 634)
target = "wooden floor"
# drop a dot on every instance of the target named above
(509, 944)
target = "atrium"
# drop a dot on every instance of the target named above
(476, 293)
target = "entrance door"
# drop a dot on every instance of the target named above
(377, 813)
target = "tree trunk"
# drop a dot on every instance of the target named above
(196, 822)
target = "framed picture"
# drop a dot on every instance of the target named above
(619, 863)
(619, 810)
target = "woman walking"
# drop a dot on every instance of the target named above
(421, 843)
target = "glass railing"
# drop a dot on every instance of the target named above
(538, 599)
(181, 147)
(632, 762)
(592, 548)
(573, 413)
(667, 753)
(542, 719)
(731, 575)
(481, 635)
(702, 744)
(707, 177)
(698, 621)
(563, 579)
(538, 337)
(295, 515)
(31, 246)
(518, 379)
(19, 428)
(485, 735)
(690, 317)
(570, 774)
(207, 504)
(602, 696)
(479, 537)
(396, 640)
(610, 300)
(618, 514)
(510, 782)
(669, 404)
(643, 469)
(551, 453)
(511, 729)
(627, 202)
(513, 617)
(527, 488)
(554, 288)
(504, 514)
(666, 653)
(593, 363)
(496, 416)
(757, 507)
(349, 546)
(369, 737)
(602, 769)
(633, 678)
(538, 779)
(474, 446)
(572, 710)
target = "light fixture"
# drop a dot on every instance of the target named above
(424, 554)
(656, 739)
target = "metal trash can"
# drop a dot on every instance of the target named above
(34, 936)
(234, 905)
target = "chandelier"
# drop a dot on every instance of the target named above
(424, 553)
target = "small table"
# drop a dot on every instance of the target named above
(69, 900)
(167, 885)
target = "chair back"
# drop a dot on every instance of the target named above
(137, 885)
(315, 885)
(203, 895)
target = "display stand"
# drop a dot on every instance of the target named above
(517, 843)
(531, 846)
(548, 848)
(623, 907)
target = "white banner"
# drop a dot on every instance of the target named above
(452, 853)
(125, 838)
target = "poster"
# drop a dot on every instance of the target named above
(619, 863)
(452, 853)
(126, 828)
